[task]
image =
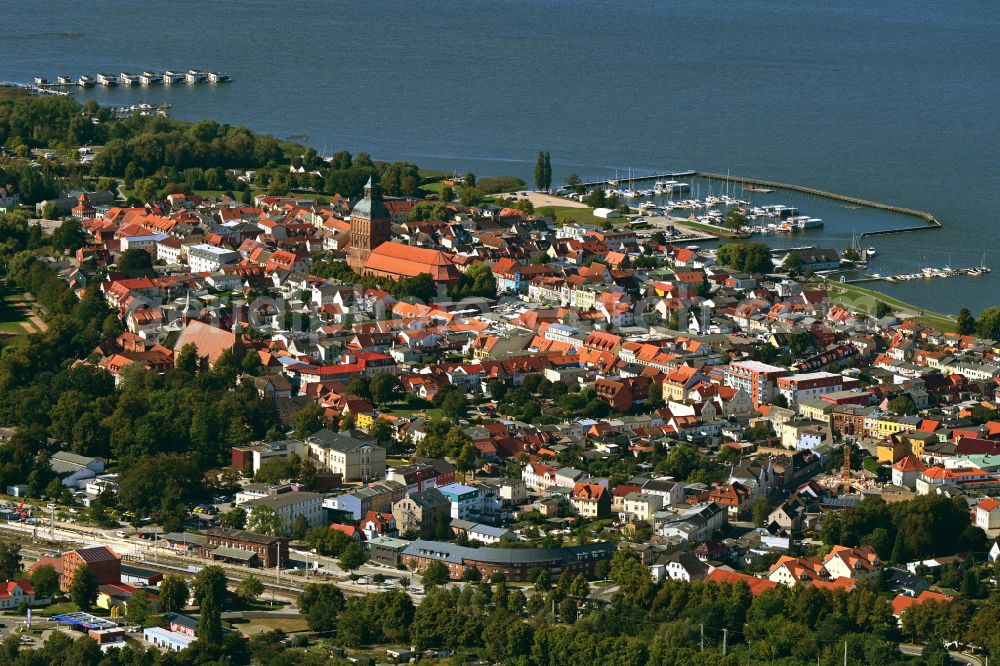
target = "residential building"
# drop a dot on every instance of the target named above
(204, 258)
(103, 563)
(591, 500)
(988, 514)
(682, 566)
(671, 491)
(386, 551)
(13, 593)
(641, 507)
(758, 379)
(249, 458)
(466, 501)
(352, 454)
(290, 506)
(861, 563)
(792, 571)
(422, 512)
(696, 524)
(805, 386)
(906, 470)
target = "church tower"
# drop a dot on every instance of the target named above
(370, 227)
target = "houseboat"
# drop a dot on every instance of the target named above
(170, 77)
(216, 77)
(149, 78)
(107, 79)
(194, 76)
(85, 81)
(128, 79)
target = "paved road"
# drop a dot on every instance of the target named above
(956, 657)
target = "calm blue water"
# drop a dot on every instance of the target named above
(894, 101)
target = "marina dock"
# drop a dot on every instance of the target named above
(924, 274)
(931, 221)
(608, 182)
(146, 78)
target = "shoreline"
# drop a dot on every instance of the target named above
(905, 310)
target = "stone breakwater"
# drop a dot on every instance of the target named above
(931, 222)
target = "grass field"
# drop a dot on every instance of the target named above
(432, 413)
(582, 215)
(15, 315)
(259, 625)
(858, 297)
(8, 93)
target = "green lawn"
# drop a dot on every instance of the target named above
(432, 413)
(707, 228)
(859, 297)
(582, 215)
(14, 313)
(432, 188)
(259, 625)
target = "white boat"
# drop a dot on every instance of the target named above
(871, 252)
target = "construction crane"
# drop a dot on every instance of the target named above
(847, 468)
(21, 511)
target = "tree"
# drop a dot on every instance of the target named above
(436, 573)
(250, 588)
(935, 654)
(543, 171)
(902, 405)
(309, 420)
(83, 588)
(10, 560)
(321, 604)
(385, 388)
(970, 584)
(235, 519)
(187, 358)
(135, 260)
(69, 236)
(139, 607)
(466, 460)
(735, 219)
(210, 592)
(300, 526)
(327, 541)
(352, 557)
(746, 257)
(264, 520)
(45, 580)
(174, 593)
(988, 325)
(579, 588)
(882, 309)
(793, 263)
(760, 508)
(965, 324)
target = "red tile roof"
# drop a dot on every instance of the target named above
(756, 585)
(407, 261)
